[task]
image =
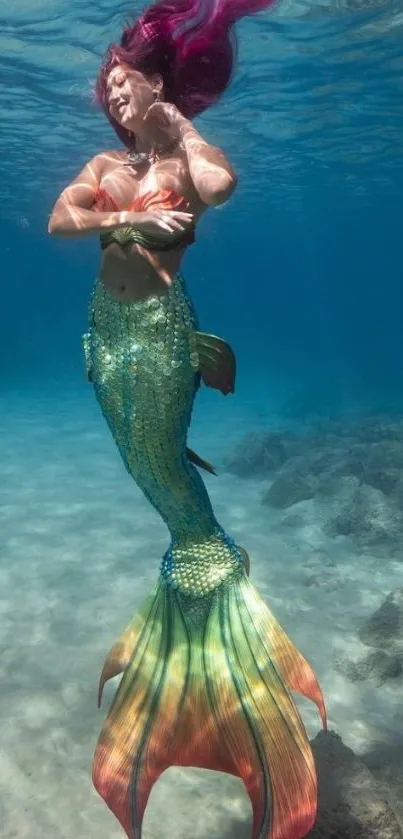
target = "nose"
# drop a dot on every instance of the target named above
(115, 101)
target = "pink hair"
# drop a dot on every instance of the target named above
(190, 43)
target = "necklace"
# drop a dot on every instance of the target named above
(140, 158)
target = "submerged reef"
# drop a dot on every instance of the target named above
(257, 455)
(351, 470)
(382, 633)
(353, 802)
(339, 484)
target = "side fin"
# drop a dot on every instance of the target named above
(87, 356)
(198, 461)
(217, 362)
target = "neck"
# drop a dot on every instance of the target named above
(144, 143)
(138, 157)
(147, 142)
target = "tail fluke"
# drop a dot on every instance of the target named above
(206, 683)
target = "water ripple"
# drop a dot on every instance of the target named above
(316, 102)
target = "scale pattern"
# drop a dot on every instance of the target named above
(207, 670)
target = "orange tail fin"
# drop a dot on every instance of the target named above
(206, 683)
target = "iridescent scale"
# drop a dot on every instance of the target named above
(144, 366)
(207, 670)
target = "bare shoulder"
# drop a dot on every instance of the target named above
(103, 161)
(114, 154)
(110, 158)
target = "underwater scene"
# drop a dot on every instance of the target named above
(201, 356)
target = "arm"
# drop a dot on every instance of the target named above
(72, 214)
(211, 172)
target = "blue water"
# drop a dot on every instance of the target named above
(301, 270)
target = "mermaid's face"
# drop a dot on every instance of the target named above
(130, 95)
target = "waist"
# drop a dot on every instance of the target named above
(130, 236)
(143, 323)
(175, 298)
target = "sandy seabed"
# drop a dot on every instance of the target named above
(80, 549)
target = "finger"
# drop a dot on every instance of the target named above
(170, 226)
(168, 219)
(150, 113)
(182, 216)
(174, 225)
(179, 214)
(165, 226)
(156, 114)
(178, 218)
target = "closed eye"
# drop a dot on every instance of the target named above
(118, 80)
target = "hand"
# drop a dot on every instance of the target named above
(165, 223)
(165, 118)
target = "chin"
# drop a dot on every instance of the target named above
(126, 123)
(132, 119)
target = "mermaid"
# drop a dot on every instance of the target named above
(207, 673)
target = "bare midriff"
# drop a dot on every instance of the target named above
(130, 271)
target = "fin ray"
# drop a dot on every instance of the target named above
(200, 462)
(217, 362)
(121, 652)
(204, 688)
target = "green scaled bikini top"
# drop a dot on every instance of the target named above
(129, 235)
(163, 199)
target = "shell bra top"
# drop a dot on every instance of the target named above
(163, 199)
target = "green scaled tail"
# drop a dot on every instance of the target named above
(207, 671)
